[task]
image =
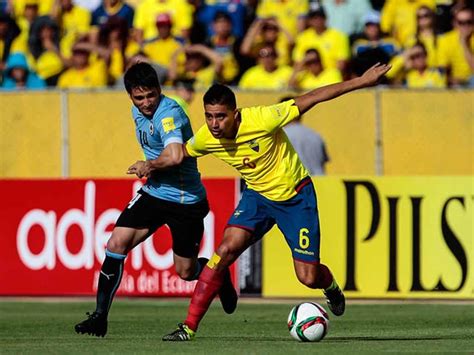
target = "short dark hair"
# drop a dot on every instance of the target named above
(319, 12)
(140, 75)
(219, 94)
(221, 15)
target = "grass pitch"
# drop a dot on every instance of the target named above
(136, 326)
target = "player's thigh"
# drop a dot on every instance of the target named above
(251, 215)
(186, 223)
(299, 222)
(124, 239)
(138, 220)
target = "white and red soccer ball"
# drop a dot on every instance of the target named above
(308, 321)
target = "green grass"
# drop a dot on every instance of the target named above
(136, 326)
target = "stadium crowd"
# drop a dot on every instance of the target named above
(252, 44)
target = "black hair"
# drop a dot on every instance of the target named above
(140, 75)
(222, 15)
(219, 94)
(313, 50)
(318, 12)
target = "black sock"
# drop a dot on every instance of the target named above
(200, 265)
(109, 281)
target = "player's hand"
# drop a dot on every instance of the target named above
(373, 74)
(140, 168)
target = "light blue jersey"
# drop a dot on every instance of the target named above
(182, 183)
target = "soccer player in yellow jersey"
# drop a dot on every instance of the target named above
(279, 190)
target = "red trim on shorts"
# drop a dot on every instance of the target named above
(302, 184)
(248, 229)
(307, 262)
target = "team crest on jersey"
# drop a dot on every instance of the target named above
(237, 213)
(152, 129)
(168, 124)
(254, 146)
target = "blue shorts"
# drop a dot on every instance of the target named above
(297, 218)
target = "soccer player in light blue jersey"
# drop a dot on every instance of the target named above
(176, 197)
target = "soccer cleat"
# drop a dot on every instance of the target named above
(182, 333)
(228, 295)
(336, 301)
(95, 324)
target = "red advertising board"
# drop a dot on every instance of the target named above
(54, 234)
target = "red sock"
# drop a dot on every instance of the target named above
(209, 284)
(325, 277)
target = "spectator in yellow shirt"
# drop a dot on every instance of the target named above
(44, 49)
(310, 74)
(29, 14)
(74, 22)
(202, 64)
(332, 44)
(290, 14)
(267, 74)
(225, 44)
(399, 17)
(426, 34)
(44, 7)
(268, 32)
(456, 46)
(184, 94)
(147, 11)
(114, 46)
(419, 74)
(84, 73)
(160, 49)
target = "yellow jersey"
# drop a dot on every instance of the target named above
(44, 7)
(258, 78)
(430, 78)
(146, 12)
(451, 54)
(286, 12)
(399, 17)
(307, 80)
(94, 76)
(332, 45)
(261, 151)
(161, 50)
(75, 23)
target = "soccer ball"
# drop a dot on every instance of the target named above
(308, 321)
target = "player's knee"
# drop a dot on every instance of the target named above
(116, 245)
(226, 253)
(308, 281)
(186, 274)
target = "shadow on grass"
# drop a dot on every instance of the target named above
(341, 339)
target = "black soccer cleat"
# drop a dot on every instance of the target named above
(182, 333)
(95, 324)
(228, 295)
(336, 301)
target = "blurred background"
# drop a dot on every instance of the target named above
(393, 165)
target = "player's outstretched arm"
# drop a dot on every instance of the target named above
(329, 92)
(172, 155)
